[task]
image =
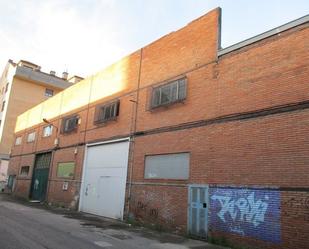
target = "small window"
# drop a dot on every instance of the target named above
(24, 171)
(31, 137)
(172, 92)
(168, 166)
(3, 106)
(106, 112)
(47, 131)
(18, 141)
(6, 87)
(69, 124)
(66, 170)
(49, 92)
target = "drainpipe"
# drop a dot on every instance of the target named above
(56, 143)
(133, 130)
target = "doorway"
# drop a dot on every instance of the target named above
(40, 176)
(198, 210)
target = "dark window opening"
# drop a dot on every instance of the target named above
(24, 171)
(69, 124)
(6, 87)
(107, 112)
(3, 106)
(172, 92)
(49, 92)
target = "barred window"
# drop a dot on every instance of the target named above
(24, 171)
(106, 112)
(171, 92)
(69, 124)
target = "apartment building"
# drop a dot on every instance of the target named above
(185, 135)
(22, 86)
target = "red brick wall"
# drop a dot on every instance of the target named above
(160, 205)
(70, 196)
(181, 51)
(23, 183)
(269, 150)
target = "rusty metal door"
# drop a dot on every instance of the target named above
(198, 210)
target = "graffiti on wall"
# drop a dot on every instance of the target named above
(248, 212)
(144, 209)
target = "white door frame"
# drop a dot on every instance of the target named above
(84, 164)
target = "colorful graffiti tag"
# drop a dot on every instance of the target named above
(248, 212)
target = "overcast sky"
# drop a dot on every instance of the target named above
(84, 36)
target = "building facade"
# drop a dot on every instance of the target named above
(22, 86)
(185, 135)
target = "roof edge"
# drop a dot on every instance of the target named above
(264, 35)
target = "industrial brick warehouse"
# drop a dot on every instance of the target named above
(184, 135)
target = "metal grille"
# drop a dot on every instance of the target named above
(69, 124)
(42, 161)
(107, 112)
(169, 93)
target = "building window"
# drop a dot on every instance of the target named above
(66, 170)
(49, 92)
(24, 171)
(18, 141)
(3, 106)
(69, 124)
(47, 131)
(107, 112)
(6, 87)
(169, 93)
(167, 166)
(31, 137)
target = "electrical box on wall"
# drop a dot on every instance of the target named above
(65, 186)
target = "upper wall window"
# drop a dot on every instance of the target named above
(18, 141)
(31, 137)
(6, 87)
(167, 166)
(69, 124)
(3, 106)
(47, 131)
(106, 112)
(24, 171)
(49, 92)
(169, 93)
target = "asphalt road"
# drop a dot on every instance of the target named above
(32, 227)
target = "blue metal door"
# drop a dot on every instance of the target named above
(198, 210)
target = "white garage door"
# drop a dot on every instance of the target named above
(104, 179)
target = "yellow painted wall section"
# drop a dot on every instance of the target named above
(34, 116)
(111, 80)
(75, 96)
(52, 106)
(21, 122)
